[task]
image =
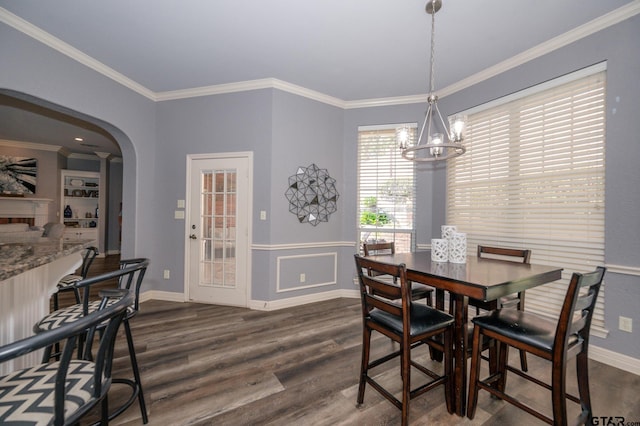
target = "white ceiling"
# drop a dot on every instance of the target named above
(349, 50)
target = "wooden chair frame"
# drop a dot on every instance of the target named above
(418, 291)
(379, 307)
(571, 340)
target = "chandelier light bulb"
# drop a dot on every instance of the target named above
(402, 137)
(457, 125)
(436, 141)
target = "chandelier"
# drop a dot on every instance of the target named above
(434, 146)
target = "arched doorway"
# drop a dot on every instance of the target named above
(36, 123)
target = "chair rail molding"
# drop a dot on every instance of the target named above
(299, 246)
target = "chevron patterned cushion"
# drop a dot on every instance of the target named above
(68, 315)
(69, 280)
(26, 396)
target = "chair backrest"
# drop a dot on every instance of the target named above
(108, 319)
(574, 324)
(90, 254)
(129, 276)
(372, 249)
(501, 253)
(379, 293)
(133, 281)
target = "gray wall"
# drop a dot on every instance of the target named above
(47, 77)
(285, 131)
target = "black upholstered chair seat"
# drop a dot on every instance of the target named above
(69, 315)
(28, 395)
(423, 319)
(534, 330)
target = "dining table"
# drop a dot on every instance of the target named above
(478, 278)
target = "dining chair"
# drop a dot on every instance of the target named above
(418, 291)
(129, 276)
(67, 282)
(407, 323)
(557, 342)
(511, 301)
(62, 392)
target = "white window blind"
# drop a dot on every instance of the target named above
(386, 187)
(533, 177)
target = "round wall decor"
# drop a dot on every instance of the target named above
(312, 195)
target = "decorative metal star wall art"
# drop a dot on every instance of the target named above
(312, 195)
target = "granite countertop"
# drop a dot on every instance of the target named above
(19, 257)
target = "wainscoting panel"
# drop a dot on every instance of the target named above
(302, 271)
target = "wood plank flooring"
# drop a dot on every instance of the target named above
(216, 365)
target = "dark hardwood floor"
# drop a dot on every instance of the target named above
(216, 365)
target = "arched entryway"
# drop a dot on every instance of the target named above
(25, 119)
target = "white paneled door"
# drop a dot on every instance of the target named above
(218, 229)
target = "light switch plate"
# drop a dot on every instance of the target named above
(181, 204)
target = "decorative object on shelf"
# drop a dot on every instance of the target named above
(458, 248)
(312, 195)
(439, 249)
(17, 175)
(68, 214)
(76, 182)
(437, 146)
(92, 224)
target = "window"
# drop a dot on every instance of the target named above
(533, 177)
(386, 187)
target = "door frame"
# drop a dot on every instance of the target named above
(248, 155)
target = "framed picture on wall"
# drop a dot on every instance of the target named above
(17, 175)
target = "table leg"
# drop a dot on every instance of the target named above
(460, 353)
(437, 355)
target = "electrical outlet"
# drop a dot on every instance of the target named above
(625, 324)
(303, 278)
(263, 215)
(166, 274)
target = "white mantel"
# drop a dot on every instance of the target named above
(37, 208)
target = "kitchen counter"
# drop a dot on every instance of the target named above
(19, 257)
(29, 274)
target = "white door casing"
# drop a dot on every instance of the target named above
(218, 228)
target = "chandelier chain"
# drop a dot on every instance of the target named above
(433, 48)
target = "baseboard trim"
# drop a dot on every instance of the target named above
(273, 305)
(167, 296)
(614, 359)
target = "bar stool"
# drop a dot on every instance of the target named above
(130, 276)
(63, 392)
(411, 325)
(67, 282)
(556, 342)
(418, 291)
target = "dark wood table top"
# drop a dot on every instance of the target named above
(479, 278)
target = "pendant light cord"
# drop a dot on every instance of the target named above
(433, 46)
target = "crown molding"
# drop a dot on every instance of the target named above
(598, 24)
(591, 27)
(243, 86)
(31, 145)
(70, 51)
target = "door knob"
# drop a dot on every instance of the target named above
(193, 237)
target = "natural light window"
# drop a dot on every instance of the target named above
(533, 177)
(386, 187)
